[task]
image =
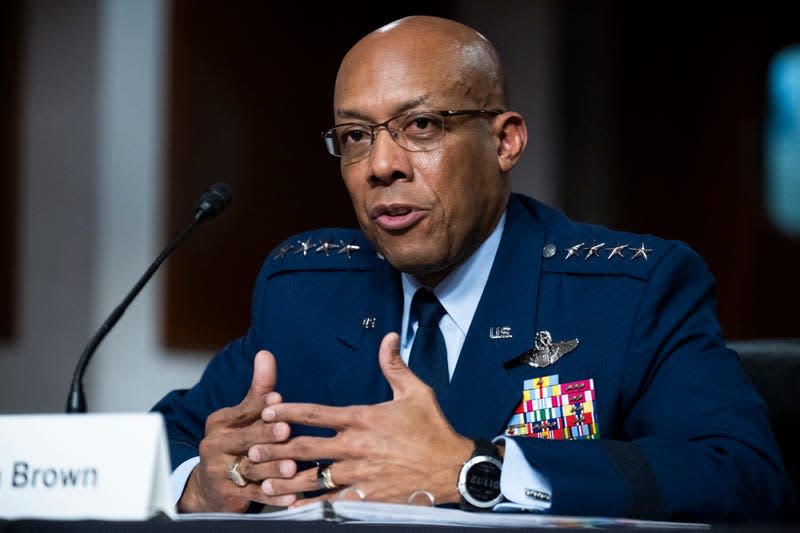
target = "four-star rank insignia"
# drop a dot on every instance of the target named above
(599, 250)
(545, 352)
(327, 247)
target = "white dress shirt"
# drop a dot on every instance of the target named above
(459, 294)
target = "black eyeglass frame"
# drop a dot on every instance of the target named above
(328, 135)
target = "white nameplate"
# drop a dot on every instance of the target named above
(84, 466)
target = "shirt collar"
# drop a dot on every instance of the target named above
(459, 292)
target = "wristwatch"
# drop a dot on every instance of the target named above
(479, 479)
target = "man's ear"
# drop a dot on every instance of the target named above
(512, 138)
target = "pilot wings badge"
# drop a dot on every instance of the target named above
(545, 352)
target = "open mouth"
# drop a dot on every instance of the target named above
(396, 217)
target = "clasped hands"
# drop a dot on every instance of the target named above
(384, 452)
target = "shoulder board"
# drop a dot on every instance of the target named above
(596, 250)
(578, 248)
(324, 249)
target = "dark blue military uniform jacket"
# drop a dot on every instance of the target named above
(683, 434)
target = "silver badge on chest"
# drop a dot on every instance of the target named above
(545, 352)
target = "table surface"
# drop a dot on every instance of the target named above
(165, 525)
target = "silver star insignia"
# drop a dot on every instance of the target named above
(545, 352)
(348, 249)
(305, 246)
(616, 251)
(592, 251)
(641, 252)
(283, 251)
(573, 250)
(326, 247)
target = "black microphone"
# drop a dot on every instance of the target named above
(210, 205)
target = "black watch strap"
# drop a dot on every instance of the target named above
(485, 447)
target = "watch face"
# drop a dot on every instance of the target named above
(483, 481)
(479, 482)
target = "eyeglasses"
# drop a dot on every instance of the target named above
(417, 131)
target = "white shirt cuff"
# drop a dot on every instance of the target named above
(524, 487)
(179, 477)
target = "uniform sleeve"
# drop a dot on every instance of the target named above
(224, 383)
(697, 443)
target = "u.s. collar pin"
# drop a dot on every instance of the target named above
(545, 352)
(500, 332)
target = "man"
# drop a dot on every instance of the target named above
(593, 359)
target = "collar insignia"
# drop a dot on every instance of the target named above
(500, 332)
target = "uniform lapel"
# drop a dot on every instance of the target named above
(482, 395)
(359, 379)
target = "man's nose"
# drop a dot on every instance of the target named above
(388, 160)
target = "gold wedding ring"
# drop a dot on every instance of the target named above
(234, 474)
(324, 478)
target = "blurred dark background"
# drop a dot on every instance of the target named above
(660, 109)
(653, 121)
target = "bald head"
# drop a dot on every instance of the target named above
(455, 57)
(424, 99)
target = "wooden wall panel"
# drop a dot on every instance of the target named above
(251, 87)
(10, 73)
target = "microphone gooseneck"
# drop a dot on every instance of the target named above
(210, 205)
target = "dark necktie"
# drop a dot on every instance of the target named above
(428, 358)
